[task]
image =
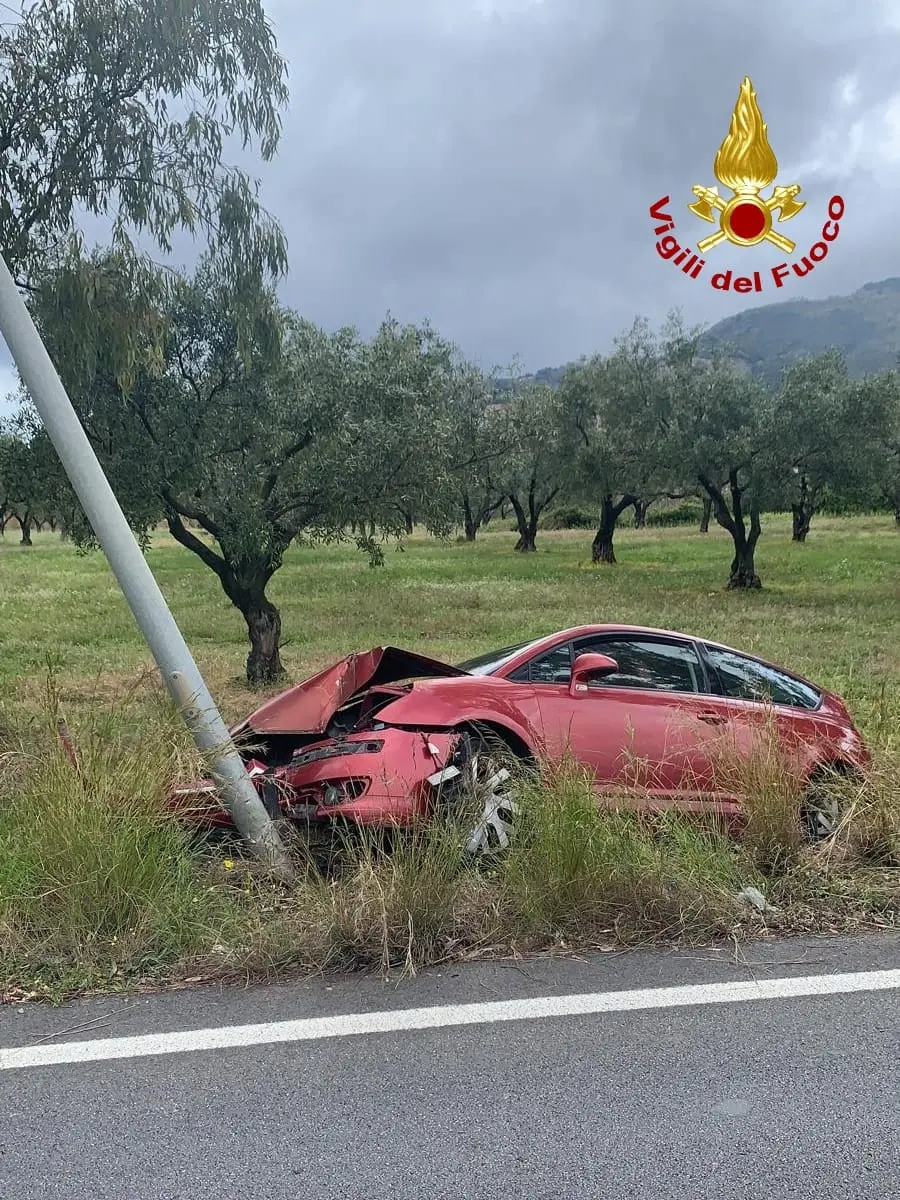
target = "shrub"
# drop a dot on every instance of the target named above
(688, 512)
(569, 517)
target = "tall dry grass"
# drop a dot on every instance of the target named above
(98, 886)
(95, 878)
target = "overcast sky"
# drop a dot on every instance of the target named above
(489, 164)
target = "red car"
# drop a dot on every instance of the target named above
(381, 737)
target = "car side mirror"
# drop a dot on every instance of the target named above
(588, 667)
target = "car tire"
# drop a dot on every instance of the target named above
(822, 809)
(478, 786)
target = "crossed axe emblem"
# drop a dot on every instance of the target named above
(782, 201)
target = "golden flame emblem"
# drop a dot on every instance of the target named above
(745, 164)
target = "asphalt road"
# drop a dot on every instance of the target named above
(787, 1097)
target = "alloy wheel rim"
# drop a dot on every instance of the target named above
(822, 816)
(488, 782)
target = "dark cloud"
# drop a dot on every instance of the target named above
(490, 165)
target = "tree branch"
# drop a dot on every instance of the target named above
(736, 493)
(720, 508)
(191, 542)
(189, 512)
(292, 451)
(626, 502)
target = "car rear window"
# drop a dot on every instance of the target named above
(744, 678)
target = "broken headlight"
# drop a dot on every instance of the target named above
(341, 791)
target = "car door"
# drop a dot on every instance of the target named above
(765, 711)
(645, 729)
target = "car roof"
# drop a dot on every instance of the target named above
(578, 631)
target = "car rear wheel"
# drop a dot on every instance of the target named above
(478, 787)
(823, 803)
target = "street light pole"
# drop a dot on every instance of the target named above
(175, 661)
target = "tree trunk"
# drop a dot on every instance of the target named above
(801, 513)
(743, 568)
(244, 578)
(527, 525)
(897, 513)
(247, 592)
(602, 550)
(25, 523)
(707, 513)
(602, 546)
(408, 522)
(640, 513)
(264, 627)
(470, 525)
(800, 521)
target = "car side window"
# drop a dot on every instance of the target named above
(553, 667)
(743, 679)
(645, 663)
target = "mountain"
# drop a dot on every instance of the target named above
(552, 376)
(864, 326)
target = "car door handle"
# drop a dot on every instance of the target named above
(712, 718)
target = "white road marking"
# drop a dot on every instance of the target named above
(440, 1016)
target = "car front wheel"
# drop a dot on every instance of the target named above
(478, 787)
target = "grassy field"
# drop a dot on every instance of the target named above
(829, 609)
(73, 918)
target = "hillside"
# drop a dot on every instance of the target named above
(864, 326)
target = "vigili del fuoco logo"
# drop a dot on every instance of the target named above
(745, 165)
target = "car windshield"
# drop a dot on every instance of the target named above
(487, 664)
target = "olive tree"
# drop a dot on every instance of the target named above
(480, 438)
(883, 458)
(616, 417)
(826, 428)
(247, 445)
(532, 473)
(29, 476)
(721, 435)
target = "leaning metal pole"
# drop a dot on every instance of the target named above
(146, 601)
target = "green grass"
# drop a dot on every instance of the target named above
(829, 609)
(98, 890)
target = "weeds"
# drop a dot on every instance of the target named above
(98, 888)
(93, 872)
(578, 871)
(773, 833)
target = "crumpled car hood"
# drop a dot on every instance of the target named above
(308, 707)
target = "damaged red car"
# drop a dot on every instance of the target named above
(382, 737)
